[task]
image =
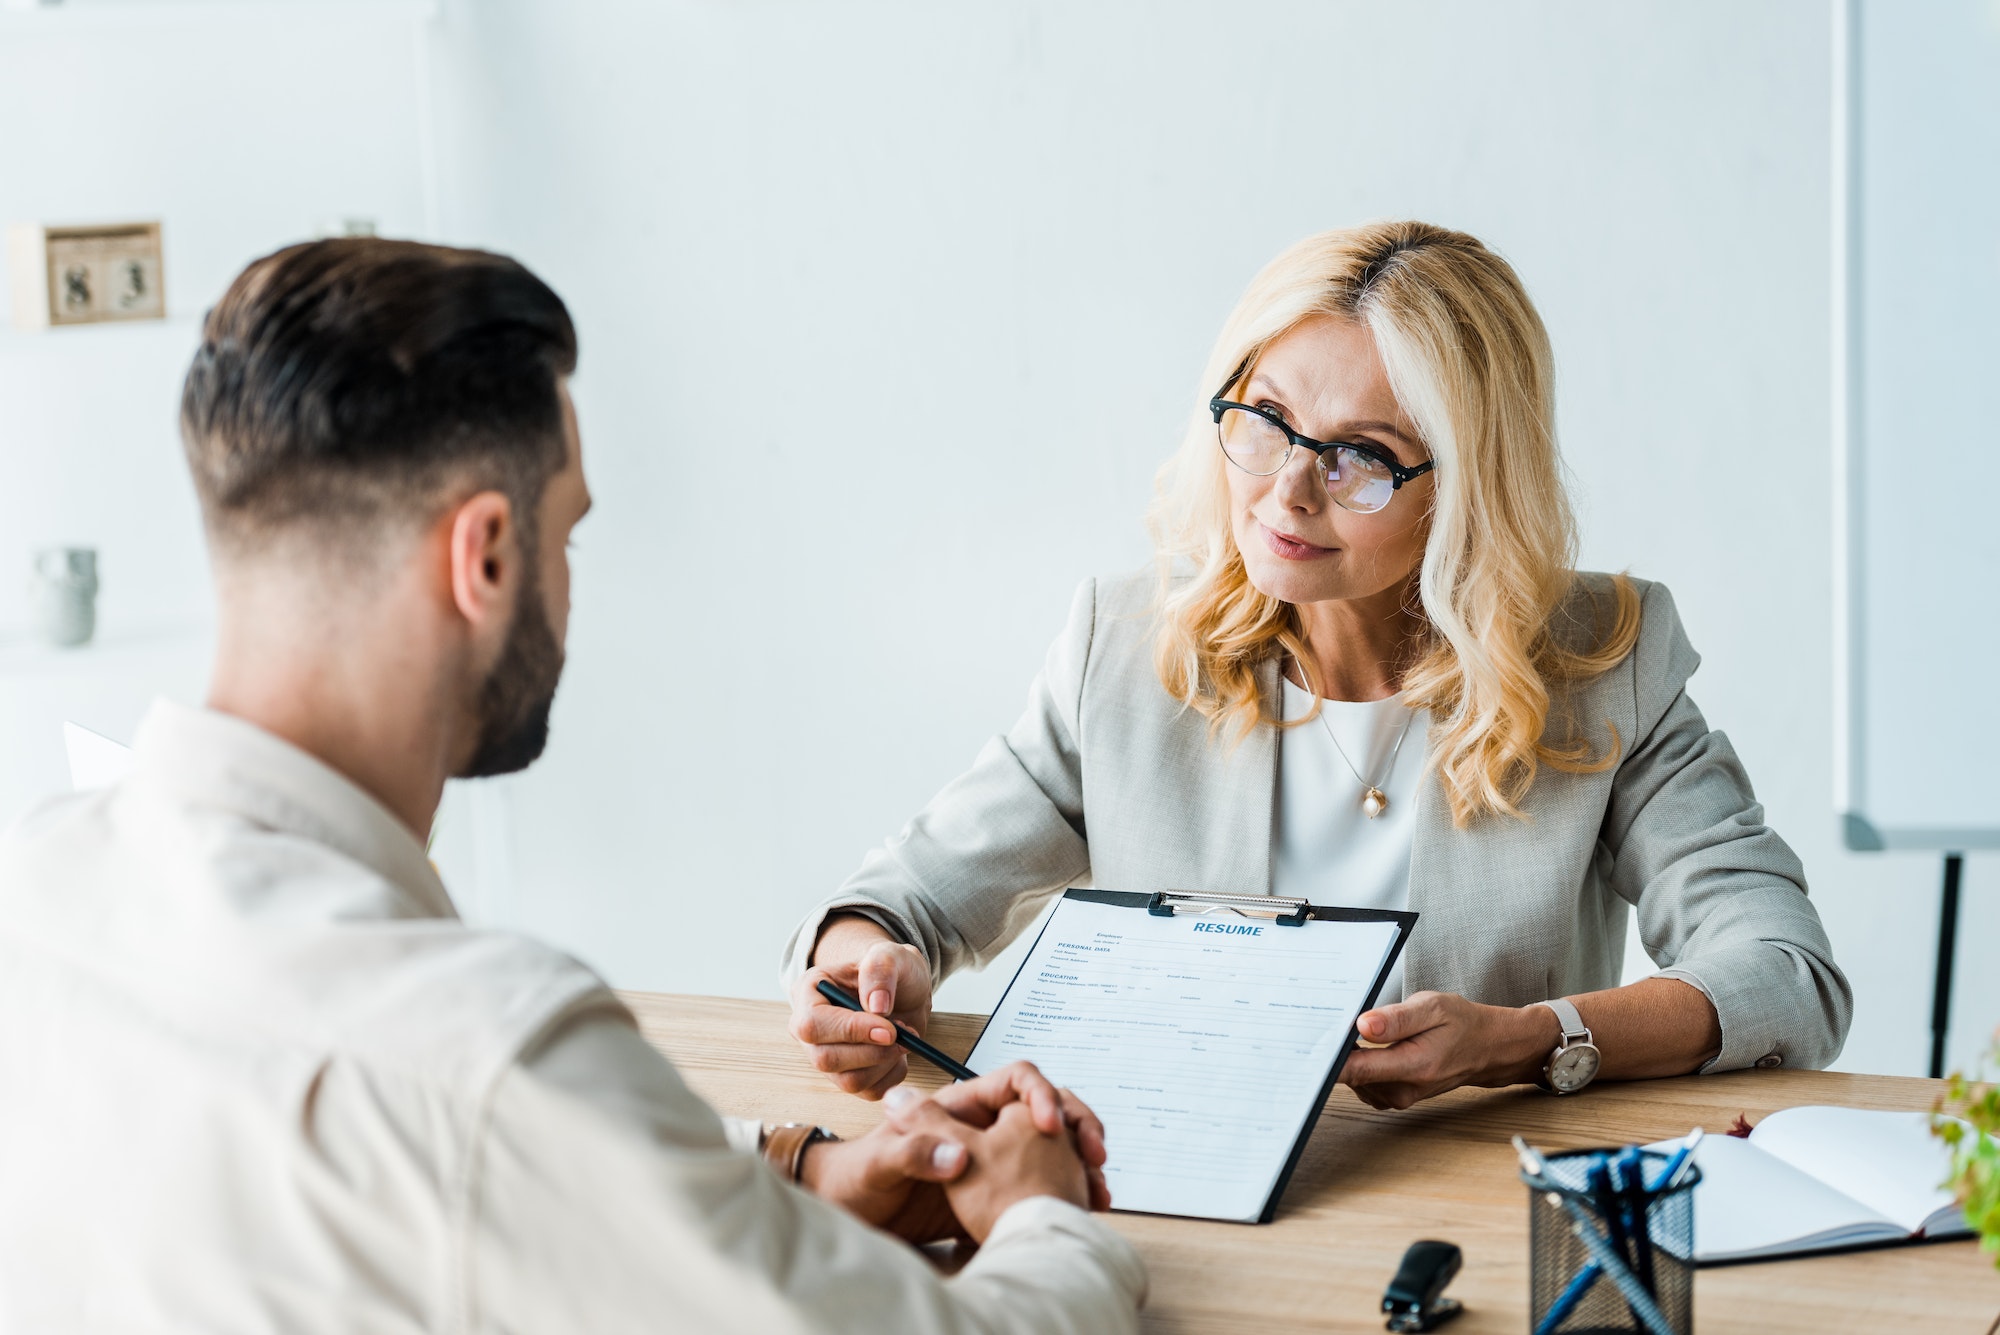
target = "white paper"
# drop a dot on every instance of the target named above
(1750, 1203)
(1202, 1041)
(1889, 1161)
(1808, 1179)
(95, 761)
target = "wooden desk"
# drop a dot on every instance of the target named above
(1371, 1183)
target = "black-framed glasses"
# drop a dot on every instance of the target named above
(1261, 443)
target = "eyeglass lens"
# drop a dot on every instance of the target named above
(1355, 481)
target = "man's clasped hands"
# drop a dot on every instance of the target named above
(947, 1165)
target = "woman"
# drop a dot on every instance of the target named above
(1367, 674)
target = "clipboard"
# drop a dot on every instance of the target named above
(1200, 1024)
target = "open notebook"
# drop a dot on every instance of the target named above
(1817, 1179)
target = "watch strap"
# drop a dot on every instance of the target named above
(784, 1147)
(1568, 1016)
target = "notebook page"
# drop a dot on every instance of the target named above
(1750, 1203)
(1201, 1041)
(1889, 1161)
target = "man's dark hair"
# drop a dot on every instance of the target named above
(346, 382)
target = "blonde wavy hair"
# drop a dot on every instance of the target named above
(1469, 362)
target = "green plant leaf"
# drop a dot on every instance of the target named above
(1975, 1160)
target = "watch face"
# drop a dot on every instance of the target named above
(1572, 1068)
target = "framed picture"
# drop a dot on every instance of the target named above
(86, 275)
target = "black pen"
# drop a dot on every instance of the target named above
(845, 1000)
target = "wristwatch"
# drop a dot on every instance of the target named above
(784, 1147)
(1575, 1061)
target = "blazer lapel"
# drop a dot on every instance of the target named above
(1442, 917)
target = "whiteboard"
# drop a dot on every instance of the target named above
(1916, 423)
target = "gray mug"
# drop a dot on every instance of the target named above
(63, 594)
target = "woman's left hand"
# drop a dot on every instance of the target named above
(1439, 1041)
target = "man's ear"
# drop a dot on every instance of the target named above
(485, 552)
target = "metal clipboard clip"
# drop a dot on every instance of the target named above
(1281, 909)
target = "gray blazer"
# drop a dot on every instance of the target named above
(1107, 780)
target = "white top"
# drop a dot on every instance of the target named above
(1324, 848)
(260, 1077)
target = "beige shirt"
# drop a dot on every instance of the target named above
(259, 1077)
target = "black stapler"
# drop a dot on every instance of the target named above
(1415, 1299)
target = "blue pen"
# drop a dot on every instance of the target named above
(1644, 1309)
(1597, 1180)
(1611, 1209)
(1567, 1300)
(1671, 1174)
(1580, 1283)
(1628, 1180)
(1602, 1255)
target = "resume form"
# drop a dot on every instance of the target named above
(1206, 1042)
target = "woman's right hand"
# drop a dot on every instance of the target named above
(858, 1048)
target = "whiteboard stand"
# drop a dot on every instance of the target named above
(1916, 327)
(1954, 865)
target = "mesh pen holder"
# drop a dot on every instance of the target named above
(1572, 1290)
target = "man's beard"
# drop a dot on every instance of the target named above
(515, 699)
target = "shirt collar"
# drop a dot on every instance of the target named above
(220, 760)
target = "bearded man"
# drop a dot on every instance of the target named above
(256, 1075)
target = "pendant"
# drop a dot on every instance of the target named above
(1374, 803)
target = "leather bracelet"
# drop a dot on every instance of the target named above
(784, 1147)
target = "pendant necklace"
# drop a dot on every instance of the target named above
(1373, 800)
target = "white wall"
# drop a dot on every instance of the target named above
(241, 127)
(889, 311)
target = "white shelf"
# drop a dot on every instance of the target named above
(176, 328)
(110, 653)
(106, 686)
